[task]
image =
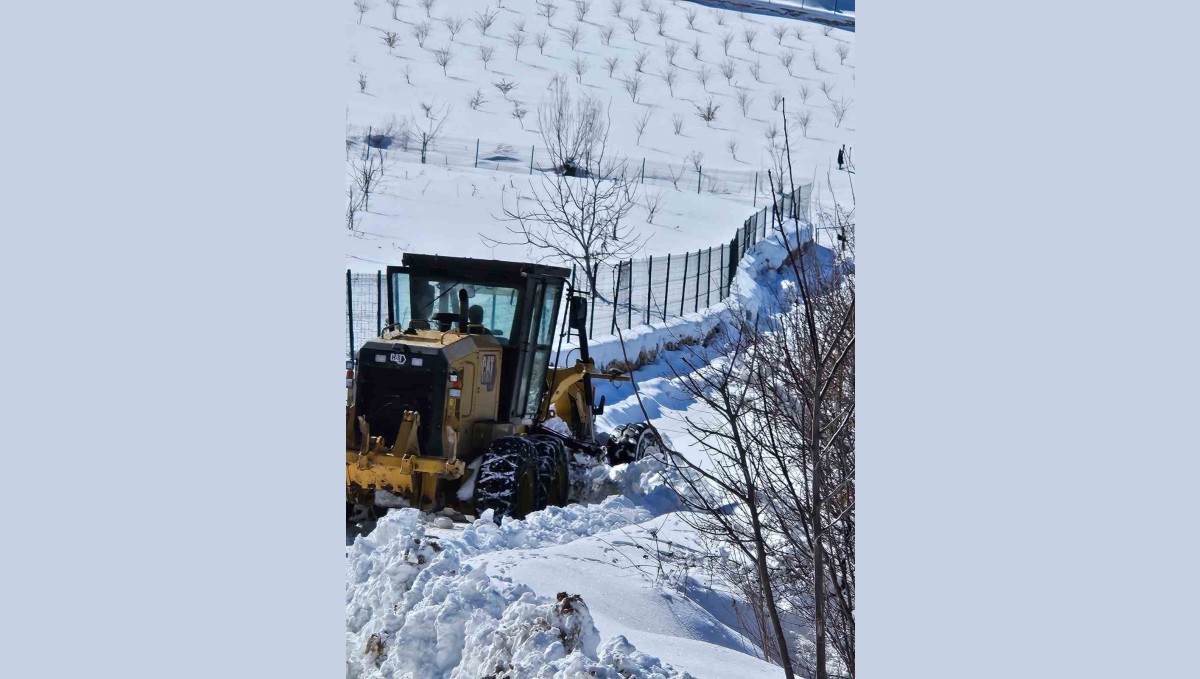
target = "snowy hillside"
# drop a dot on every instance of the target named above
(442, 205)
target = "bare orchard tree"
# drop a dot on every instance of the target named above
(671, 50)
(633, 85)
(519, 111)
(780, 32)
(572, 128)
(660, 19)
(653, 202)
(634, 25)
(843, 51)
(540, 40)
(362, 82)
(606, 34)
(744, 101)
(695, 50)
(840, 108)
(546, 8)
(391, 39)
(617, 6)
(690, 15)
(639, 60)
(803, 118)
(728, 69)
(505, 87)
(395, 6)
(750, 35)
(677, 124)
(443, 56)
(580, 219)
(726, 41)
(703, 74)
(786, 59)
(641, 122)
(420, 31)
(454, 25)
(516, 39)
(365, 174)
(804, 93)
(708, 112)
(582, 7)
(486, 52)
(573, 35)
(353, 205)
(363, 6)
(483, 20)
(671, 76)
(477, 100)
(427, 5)
(732, 145)
(580, 65)
(610, 63)
(427, 128)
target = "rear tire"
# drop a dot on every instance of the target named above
(554, 477)
(507, 480)
(632, 443)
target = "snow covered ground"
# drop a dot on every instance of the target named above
(443, 210)
(476, 599)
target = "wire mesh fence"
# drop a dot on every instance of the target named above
(687, 175)
(627, 294)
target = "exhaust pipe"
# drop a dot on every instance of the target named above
(462, 310)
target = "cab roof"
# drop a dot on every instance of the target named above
(468, 267)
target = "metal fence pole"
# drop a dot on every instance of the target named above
(699, 174)
(696, 304)
(683, 284)
(649, 286)
(753, 204)
(616, 288)
(350, 313)
(476, 153)
(378, 303)
(708, 281)
(667, 288)
(629, 302)
(643, 170)
(531, 149)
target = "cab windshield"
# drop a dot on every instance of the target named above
(425, 302)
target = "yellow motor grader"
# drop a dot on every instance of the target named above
(456, 403)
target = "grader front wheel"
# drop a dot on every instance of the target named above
(507, 478)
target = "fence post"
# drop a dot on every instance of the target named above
(378, 303)
(699, 174)
(476, 153)
(616, 289)
(629, 303)
(531, 149)
(643, 170)
(350, 313)
(696, 304)
(649, 286)
(708, 280)
(734, 258)
(667, 288)
(754, 204)
(683, 284)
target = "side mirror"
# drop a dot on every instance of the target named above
(578, 315)
(599, 409)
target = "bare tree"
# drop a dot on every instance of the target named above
(395, 6)
(581, 219)
(843, 51)
(572, 36)
(780, 32)
(407, 71)
(391, 39)
(540, 40)
(571, 127)
(366, 173)
(703, 74)
(786, 59)
(799, 32)
(671, 76)
(718, 16)
(827, 88)
(633, 85)
(749, 35)
(519, 112)
(353, 205)
(732, 145)
(771, 133)
(840, 108)
(640, 124)
(826, 31)
(671, 50)
(744, 101)
(363, 6)
(443, 56)
(617, 6)
(516, 39)
(726, 41)
(804, 93)
(581, 66)
(660, 18)
(484, 19)
(639, 60)
(547, 9)
(677, 123)
(653, 202)
(696, 50)
(582, 7)
(519, 26)
(696, 158)
(756, 71)
(428, 129)
(477, 100)
(776, 99)
(420, 31)
(645, 4)
(611, 64)
(708, 112)
(634, 25)
(454, 25)
(486, 52)
(803, 118)
(690, 15)
(362, 82)
(504, 86)
(427, 5)
(728, 69)
(606, 34)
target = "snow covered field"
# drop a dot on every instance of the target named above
(476, 599)
(442, 210)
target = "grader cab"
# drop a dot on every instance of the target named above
(456, 403)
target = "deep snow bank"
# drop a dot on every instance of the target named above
(415, 610)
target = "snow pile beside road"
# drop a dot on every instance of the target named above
(415, 610)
